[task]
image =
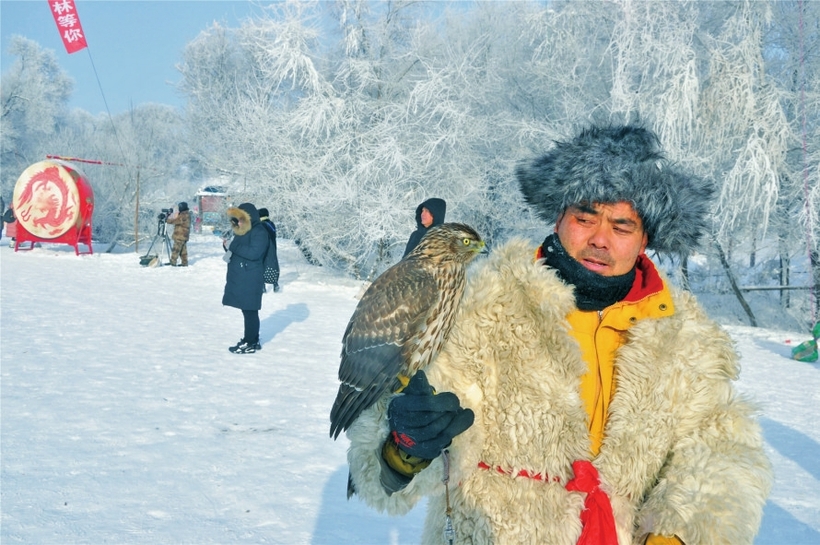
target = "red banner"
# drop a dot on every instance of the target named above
(68, 23)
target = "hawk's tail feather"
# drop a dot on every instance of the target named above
(349, 405)
(350, 402)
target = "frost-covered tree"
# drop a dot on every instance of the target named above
(34, 92)
(342, 120)
(343, 140)
(214, 77)
(148, 140)
(743, 140)
(136, 166)
(793, 59)
(147, 146)
(340, 117)
(568, 76)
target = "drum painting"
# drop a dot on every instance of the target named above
(53, 202)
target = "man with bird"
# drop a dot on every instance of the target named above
(601, 397)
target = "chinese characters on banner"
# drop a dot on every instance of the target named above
(68, 23)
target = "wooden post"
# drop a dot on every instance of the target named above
(137, 216)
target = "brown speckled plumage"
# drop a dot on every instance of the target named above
(402, 320)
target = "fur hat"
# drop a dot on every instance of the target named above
(621, 163)
(183, 206)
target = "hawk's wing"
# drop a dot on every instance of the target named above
(392, 311)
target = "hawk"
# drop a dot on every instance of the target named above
(402, 320)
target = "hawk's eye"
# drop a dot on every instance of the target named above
(466, 241)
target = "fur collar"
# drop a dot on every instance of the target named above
(243, 222)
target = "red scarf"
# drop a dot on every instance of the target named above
(596, 518)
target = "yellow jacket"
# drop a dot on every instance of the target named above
(601, 333)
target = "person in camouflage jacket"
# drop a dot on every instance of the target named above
(182, 231)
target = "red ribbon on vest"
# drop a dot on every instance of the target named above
(596, 518)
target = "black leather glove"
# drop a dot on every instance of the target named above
(422, 423)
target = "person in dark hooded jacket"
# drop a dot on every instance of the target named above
(10, 222)
(272, 261)
(245, 281)
(429, 213)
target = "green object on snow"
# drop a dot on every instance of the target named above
(815, 331)
(806, 351)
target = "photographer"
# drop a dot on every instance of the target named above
(181, 221)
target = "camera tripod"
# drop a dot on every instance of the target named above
(155, 260)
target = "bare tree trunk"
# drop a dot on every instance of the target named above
(733, 282)
(814, 260)
(785, 301)
(785, 264)
(753, 254)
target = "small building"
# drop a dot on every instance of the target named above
(212, 203)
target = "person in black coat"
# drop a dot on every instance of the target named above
(9, 225)
(245, 281)
(272, 260)
(429, 213)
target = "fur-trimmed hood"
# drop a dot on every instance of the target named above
(621, 163)
(246, 217)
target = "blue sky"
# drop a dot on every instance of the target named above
(134, 45)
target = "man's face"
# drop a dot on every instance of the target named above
(426, 217)
(605, 238)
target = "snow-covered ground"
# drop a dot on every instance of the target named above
(125, 420)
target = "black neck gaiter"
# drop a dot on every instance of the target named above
(592, 291)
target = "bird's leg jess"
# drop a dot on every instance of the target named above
(449, 531)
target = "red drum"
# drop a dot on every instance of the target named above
(53, 202)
